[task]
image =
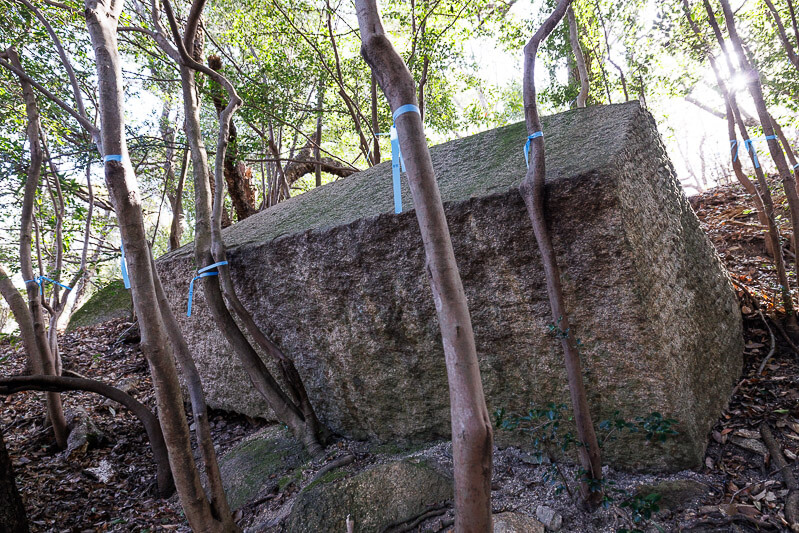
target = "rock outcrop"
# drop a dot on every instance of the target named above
(338, 281)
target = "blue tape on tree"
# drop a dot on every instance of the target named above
(108, 158)
(202, 273)
(527, 145)
(750, 147)
(397, 164)
(123, 266)
(39, 280)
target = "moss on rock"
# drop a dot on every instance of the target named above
(249, 469)
(110, 302)
(376, 498)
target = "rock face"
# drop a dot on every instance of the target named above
(376, 499)
(338, 281)
(112, 301)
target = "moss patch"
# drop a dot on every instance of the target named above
(251, 468)
(110, 302)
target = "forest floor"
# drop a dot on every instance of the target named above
(109, 484)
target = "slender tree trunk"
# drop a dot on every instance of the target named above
(472, 436)
(101, 22)
(237, 176)
(375, 121)
(12, 513)
(731, 115)
(320, 102)
(202, 431)
(47, 366)
(574, 39)
(786, 43)
(532, 190)
(175, 230)
(19, 308)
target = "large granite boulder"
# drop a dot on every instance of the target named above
(338, 281)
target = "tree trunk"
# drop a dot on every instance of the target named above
(532, 190)
(320, 101)
(101, 22)
(733, 115)
(375, 121)
(23, 318)
(574, 39)
(237, 176)
(12, 513)
(472, 436)
(47, 366)
(786, 43)
(175, 230)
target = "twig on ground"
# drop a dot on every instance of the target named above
(792, 500)
(412, 523)
(773, 344)
(338, 463)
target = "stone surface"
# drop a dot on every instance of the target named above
(112, 301)
(338, 281)
(516, 523)
(382, 496)
(551, 519)
(250, 469)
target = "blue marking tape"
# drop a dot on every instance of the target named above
(39, 280)
(123, 266)
(397, 163)
(108, 158)
(750, 147)
(202, 273)
(527, 145)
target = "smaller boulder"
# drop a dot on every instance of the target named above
(516, 523)
(551, 519)
(83, 433)
(250, 470)
(382, 497)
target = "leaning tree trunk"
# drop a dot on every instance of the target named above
(12, 513)
(532, 190)
(471, 428)
(46, 363)
(19, 308)
(101, 22)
